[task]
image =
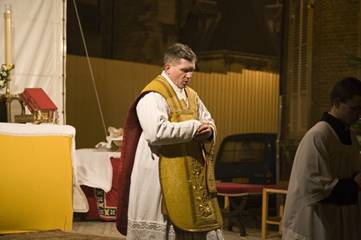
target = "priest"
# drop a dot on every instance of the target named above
(167, 186)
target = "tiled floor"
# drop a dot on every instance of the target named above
(109, 229)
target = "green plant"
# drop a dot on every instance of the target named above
(4, 74)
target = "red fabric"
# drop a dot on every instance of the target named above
(108, 202)
(93, 213)
(132, 131)
(234, 188)
(104, 205)
(112, 195)
(36, 99)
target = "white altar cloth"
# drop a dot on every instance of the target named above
(93, 168)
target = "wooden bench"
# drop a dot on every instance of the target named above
(241, 190)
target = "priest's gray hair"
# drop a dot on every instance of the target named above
(178, 51)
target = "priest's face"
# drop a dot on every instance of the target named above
(180, 72)
(349, 112)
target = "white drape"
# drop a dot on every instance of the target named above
(38, 47)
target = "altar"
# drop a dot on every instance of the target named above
(36, 177)
(41, 176)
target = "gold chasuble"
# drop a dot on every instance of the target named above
(186, 170)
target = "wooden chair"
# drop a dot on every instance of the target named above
(266, 219)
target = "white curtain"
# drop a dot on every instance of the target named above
(38, 47)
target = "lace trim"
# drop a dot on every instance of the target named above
(139, 230)
(143, 230)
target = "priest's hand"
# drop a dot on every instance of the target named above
(204, 132)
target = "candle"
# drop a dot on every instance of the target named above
(7, 29)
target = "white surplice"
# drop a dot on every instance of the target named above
(145, 220)
(321, 159)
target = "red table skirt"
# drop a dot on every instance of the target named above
(103, 206)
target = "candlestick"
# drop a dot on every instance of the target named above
(7, 29)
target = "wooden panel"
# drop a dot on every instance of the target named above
(241, 102)
(244, 102)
